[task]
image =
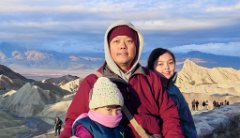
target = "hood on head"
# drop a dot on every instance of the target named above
(111, 64)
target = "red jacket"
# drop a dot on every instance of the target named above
(144, 97)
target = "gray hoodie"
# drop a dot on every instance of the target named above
(111, 64)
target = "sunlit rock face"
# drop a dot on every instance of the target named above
(31, 98)
(208, 84)
(196, 79)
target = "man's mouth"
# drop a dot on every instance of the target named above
(122, 54)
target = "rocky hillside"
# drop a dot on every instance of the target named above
(71, 86)
(196, 79)
(67, 82)
(7, 83)
(212, 84)
(219, 123)
(45, 100)
(11, 74)
(11, 80)
(61, 80)
(31, 99)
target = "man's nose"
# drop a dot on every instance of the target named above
(123, 45)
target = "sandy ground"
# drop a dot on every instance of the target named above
(47, 135)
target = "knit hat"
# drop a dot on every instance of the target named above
(105, 93)
(123, 30)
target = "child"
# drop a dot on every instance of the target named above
(104, 116)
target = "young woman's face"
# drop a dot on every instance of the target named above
(165, 65)
(122, 50)
(109, 111)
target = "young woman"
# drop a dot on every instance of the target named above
(163, 62)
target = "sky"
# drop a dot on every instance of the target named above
(210, 26)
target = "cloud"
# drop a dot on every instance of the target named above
(2, 56)
(229, 49)
(17, 55)
(41, 22)
(65, 6)
(33, 55)
(74, 58)
(182, 24)
(91, 58)
(159, 15)
(224, 8)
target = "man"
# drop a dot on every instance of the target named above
(197, 103)
(143, 93)
(193, 104)
(58, 125)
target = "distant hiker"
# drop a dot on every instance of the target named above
(218, 104)
(203, 104)
(206, 105)
(58, 125)
(197, 103)
(214, 104)
(163, 62)
(226, 102)
(193, 104)
(102, 121)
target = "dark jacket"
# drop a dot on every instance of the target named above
(186, 118)
(58, 123)
(99, 131)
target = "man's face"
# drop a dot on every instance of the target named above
(122, 50)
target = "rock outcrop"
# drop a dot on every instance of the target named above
(31, 99)
(219, 123)
(10, 80)
(196, 79)
(61, 80)
(11, 74)
(71, 86)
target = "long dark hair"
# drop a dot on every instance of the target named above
(155, 54)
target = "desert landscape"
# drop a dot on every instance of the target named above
(28, 107)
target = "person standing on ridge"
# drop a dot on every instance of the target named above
(193, 104)
(58, 125)
(197, 103)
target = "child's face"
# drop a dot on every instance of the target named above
(109, 111)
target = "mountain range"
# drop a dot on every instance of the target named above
(35, 62)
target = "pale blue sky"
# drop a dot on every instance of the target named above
(211, 26)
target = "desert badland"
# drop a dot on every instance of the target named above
(28, 107)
